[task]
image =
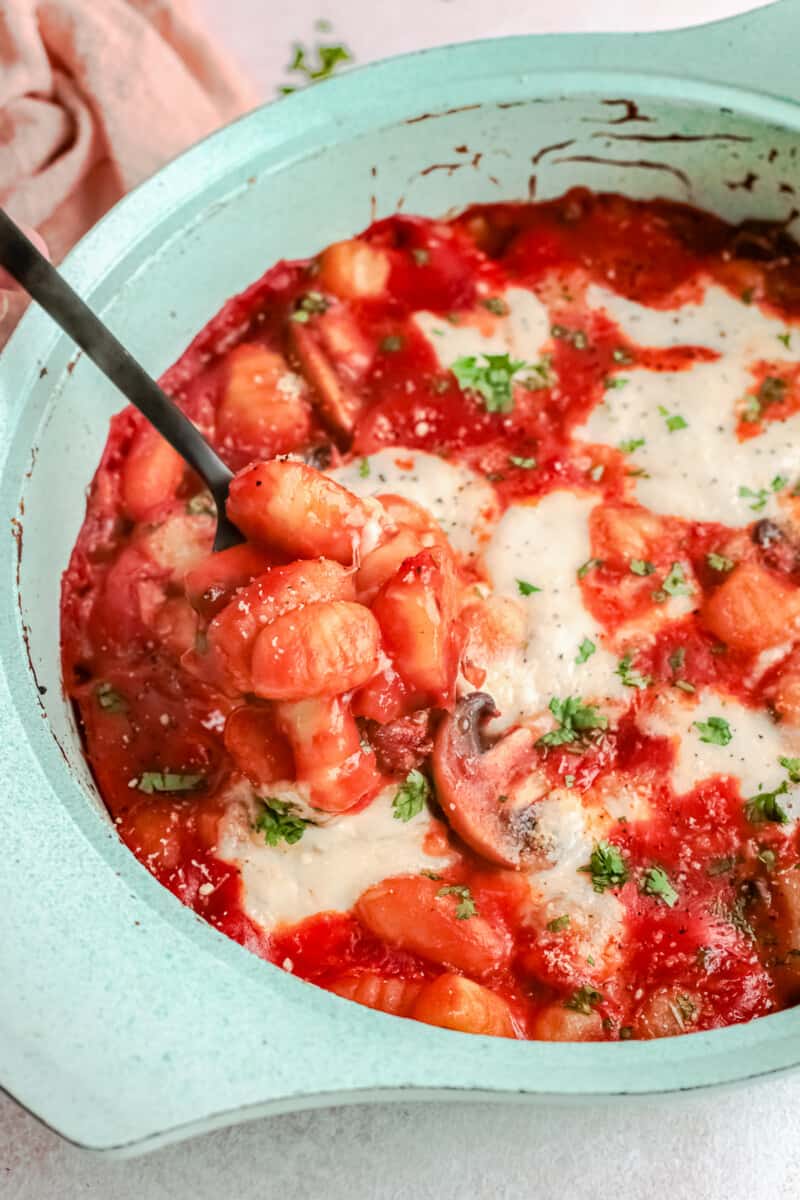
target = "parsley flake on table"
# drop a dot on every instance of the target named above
(526, 589)
(631, 444)
(575, 721)
(168, 781)
(279, 822)
(655, 882)
(765, 807)
(632, 678)
(720, 562)
(785, 338)
(364, 468)
(411, 797)
(606, 866)
(465, 908)
(490, 379)
(585, 651)
(328, 59)
(673, 421)
(715, 731)
(638, 566)
(612, 382)
(584, 1000)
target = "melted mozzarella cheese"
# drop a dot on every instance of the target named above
(460, 500)
(544, 544)
(522, 332)
(697, 472)
(567, 830)
(751, 756)
(331, 865)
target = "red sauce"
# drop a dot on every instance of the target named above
(126, 627)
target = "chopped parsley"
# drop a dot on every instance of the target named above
(673, 421)
(584, 1000)
(585, 651)
(588, 566)
(761, 495)
(279, 822)
(364, 468)
(631, 444)
(629, 677)
(168, 781)
(575, 721)
(496, 304)
(392, 343)
(541, 375)
(655, 882)
(490, 379)
(715, 731)
(614, 381)
(771, 391)
(526, 589)
(525, 464)
(109, 699)
(558, 924)
(765, 807)
(465, 908)
(792, 765)
(720, 562)
(410, 798)
(785, 338)
(676, 583)
(606, 866)
(640, 566)
(201, 505)
(747, 295)
(677, 658)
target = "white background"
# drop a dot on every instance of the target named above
(742, 1145)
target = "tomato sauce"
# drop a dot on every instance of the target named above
(129, 636)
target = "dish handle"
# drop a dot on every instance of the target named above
(754, 50)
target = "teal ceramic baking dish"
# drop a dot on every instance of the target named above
(124, 1019)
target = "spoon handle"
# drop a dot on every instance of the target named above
(50, 289)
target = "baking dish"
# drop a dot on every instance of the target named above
(126, 1021)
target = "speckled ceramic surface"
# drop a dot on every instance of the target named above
(124, 1019)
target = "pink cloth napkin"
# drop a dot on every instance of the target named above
(94, 96)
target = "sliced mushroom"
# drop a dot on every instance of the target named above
(338, 404)
(488, 790)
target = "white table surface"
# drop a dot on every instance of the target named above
(740, 1145)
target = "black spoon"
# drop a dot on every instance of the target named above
(50, 289)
